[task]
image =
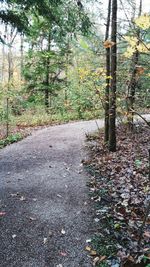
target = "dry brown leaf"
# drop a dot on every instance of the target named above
(93, 253)
(108, 44)
(102, 258)
(2, 213)
(64, 254)
(147, 234)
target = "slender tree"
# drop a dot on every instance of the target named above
(106, 137)
(21, 55)
(47, 81)
(133, 81)
(112, 95)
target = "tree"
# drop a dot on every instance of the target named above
(112, 95)
(133, 83)
(106, 135)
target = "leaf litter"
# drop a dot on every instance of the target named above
(120, 188)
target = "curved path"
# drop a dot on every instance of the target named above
(44, 216)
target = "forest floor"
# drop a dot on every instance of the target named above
(45, 217)
(120, 192)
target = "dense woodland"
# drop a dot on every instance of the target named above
(81, 60)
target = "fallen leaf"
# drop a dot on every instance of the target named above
(22, 198)
(59, 196)
(32, 219)
(95, 261)
(45, 240)
(63, 232)
(50, 233)
(2, 213)
(96, 220)
(64, 254)
(117, 226)
(93, 253)
(102, 258)
(88, 240)
(147, 234)
(130, 258)
(88, 248)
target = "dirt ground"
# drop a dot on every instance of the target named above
(45, 218)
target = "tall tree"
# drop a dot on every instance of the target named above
(112, 95)
(47, 81)
(21, 55)
(134, 73)
(106, 136)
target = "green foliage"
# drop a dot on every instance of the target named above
(35, 71)
(10, 139)
(65, 15)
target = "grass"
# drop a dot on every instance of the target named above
(34, 117)
(39, 117)
(13, 138)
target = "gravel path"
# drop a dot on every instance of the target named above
(44, 216)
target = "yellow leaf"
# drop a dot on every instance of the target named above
(88, 248)
(143, 21)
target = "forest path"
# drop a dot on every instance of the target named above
(43, 195)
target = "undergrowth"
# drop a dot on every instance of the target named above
(10, 139)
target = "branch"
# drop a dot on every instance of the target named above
(135, 112)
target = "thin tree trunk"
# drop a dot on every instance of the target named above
(133, 82)
(21, 54)
(106, 135)
(10, 58)
(47, 74)
(112, 97)
(3, 54)
(67, 62)
(10, 76)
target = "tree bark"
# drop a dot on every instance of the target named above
(106, 134)
(21, 56)
(112, 97)
(47, 74)
(10, 75)
(3, 54)
(133, 81)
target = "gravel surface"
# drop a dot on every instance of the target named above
(45, 218)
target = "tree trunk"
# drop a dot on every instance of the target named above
(112, 97)
(3, 54)
(106, 135)
(67, 63)
(133, 82)
(10, 58)
(21, 56)
(10, 76)
(47, 74)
